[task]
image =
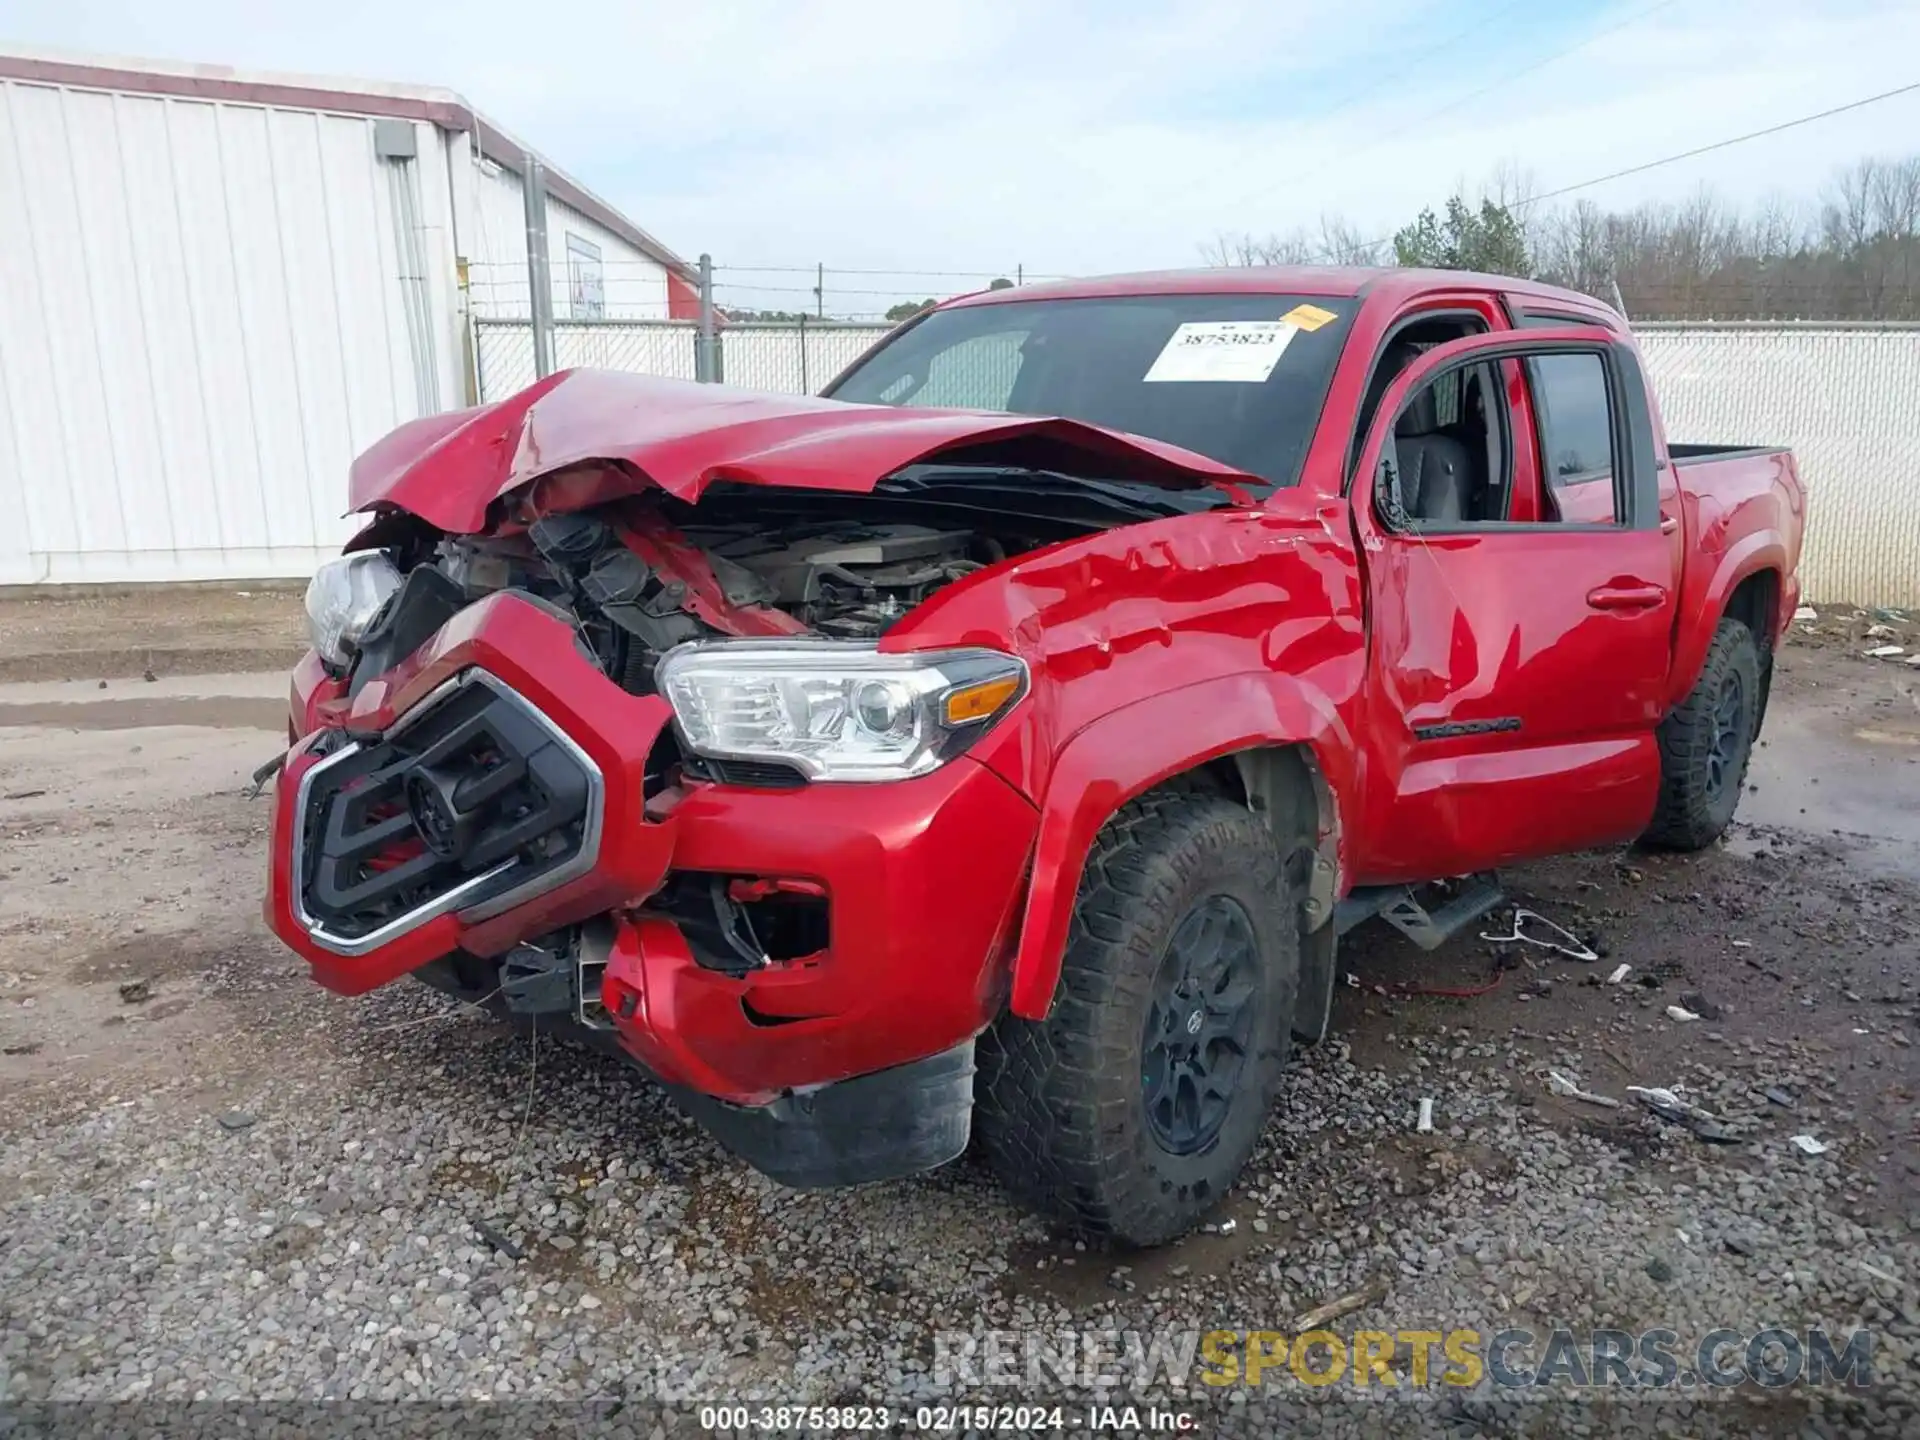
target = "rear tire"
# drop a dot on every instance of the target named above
(1131, 1110)
(1706, 742)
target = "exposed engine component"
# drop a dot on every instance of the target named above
(842, 578)
(838, 577)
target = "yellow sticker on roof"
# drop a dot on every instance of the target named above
(1309, 317)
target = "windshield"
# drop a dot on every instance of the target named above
(1240, 378)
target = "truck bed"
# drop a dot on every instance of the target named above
(1694, 454)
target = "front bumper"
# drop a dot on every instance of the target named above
(920, 878)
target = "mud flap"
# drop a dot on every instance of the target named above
(883, 1126)
(1313, 999)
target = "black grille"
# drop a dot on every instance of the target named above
(764, 774)
(476, 785)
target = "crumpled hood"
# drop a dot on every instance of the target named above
(682, 437)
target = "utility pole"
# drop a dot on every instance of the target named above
(533, 189)
(820, 291)
(704, 369)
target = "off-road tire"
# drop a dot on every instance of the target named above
(1060, 1114)
(1691, 814)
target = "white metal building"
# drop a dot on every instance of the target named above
(217, 288)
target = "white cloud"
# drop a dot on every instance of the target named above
(1077, 136)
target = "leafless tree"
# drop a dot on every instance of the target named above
(1852, 252)
(1337, 241)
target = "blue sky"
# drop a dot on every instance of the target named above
(977, 135)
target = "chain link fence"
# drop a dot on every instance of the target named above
(790, 359)
(503, 350)
(794, 359)
(1846, 398)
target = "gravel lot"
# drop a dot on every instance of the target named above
(232, 1185)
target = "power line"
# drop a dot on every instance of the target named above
(1697, 150)
(1721, 144)
(758, 289)
(1425, 54)
(856, 270)
(1506, 79)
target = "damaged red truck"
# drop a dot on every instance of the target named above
(996, 748)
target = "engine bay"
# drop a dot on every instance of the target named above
(634, 584)
(841, 578)
(639, 575)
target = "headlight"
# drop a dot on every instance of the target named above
(836, 710)
(342, 599)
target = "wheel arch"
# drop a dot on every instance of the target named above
(1747, 586)
(1269, 743)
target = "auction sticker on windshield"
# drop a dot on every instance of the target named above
(1229, 350)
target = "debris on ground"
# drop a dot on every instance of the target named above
(1879, 632)
(1807, 1145)
(1371, 1293)
(23, 795)
(1569, 1087)
(1700, 1005)
(1560, 939)
(1676, 1012)
(235, 1120)
(499, 1240)
(1675, 1111)
(1806, 612)
(1620, 973)
(1885, 652)
(1774, 1095)
(28, 1047)
(1423, 1124)
(135, 991)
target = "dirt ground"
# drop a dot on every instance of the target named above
(137, 978)
(123, 631)
(1800, 926)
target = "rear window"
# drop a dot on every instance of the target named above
(1240, 378)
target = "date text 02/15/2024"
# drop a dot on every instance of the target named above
(937, 1419)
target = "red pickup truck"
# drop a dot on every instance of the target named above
(996, 747)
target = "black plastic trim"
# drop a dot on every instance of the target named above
(882, 1126)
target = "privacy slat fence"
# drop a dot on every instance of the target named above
(1845, 397)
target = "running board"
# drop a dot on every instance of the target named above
(1400, 906)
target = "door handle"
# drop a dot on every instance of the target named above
(1669, 524)
(1625, 597)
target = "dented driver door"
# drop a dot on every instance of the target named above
(1516, 665)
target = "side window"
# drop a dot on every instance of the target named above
(1451, 451)
(1573, 412)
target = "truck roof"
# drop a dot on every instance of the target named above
(1390, 282)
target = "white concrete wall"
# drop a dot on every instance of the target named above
(634, 285)
(201, 324)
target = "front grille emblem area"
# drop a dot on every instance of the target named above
(432, 812)
(470, 800)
